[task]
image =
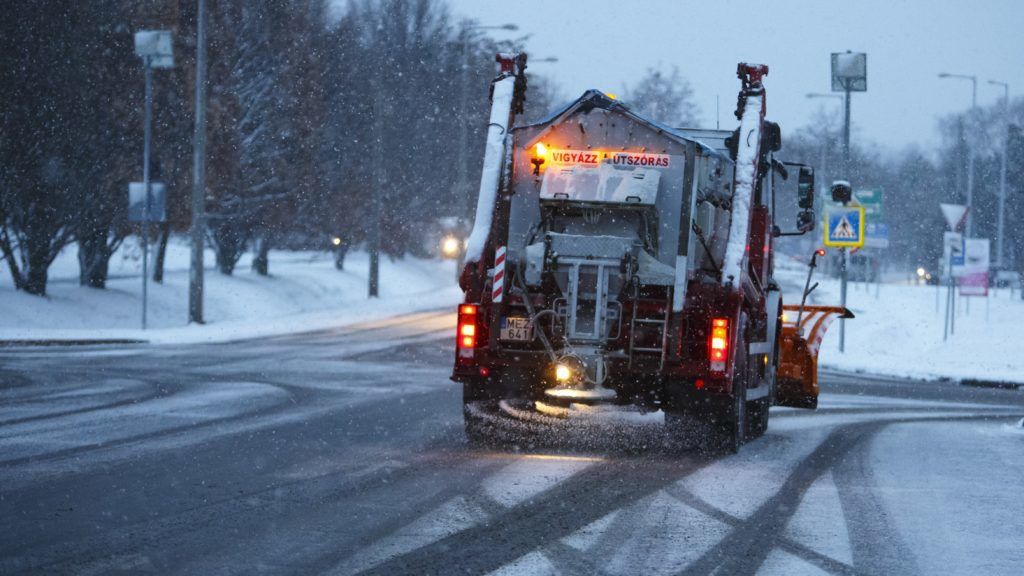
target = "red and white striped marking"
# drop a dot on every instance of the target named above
(814, 324)
(498, 290)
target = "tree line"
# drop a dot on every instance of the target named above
(318, 113)
(300, 94)
(914, 181)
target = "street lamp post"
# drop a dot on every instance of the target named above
(1002, 172)
(195, 276)
(970, 149)
(825, 149)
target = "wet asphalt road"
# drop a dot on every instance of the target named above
(342, 452)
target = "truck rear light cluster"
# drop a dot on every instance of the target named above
(467, 331)
(718, 344)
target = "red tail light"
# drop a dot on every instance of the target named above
(718, 344)
(467, 331)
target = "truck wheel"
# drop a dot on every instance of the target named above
(757, 417)
(732, 420)
(734, 430)
(757, 410)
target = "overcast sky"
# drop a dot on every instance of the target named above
(605, 44)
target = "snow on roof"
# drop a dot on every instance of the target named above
(594, 98)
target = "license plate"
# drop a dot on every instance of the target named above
(516, 329)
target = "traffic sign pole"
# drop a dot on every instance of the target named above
(145, 179)
(947, 327)
(842, 298)
(844, 228)
(154, 47)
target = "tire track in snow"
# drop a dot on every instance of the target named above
(866, 518)
(747, 546)
(825, 563)
(153, 395)
(77, 451)
(552, 515)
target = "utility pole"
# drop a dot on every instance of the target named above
(195, 277)
(1002, 173)
(377, 169)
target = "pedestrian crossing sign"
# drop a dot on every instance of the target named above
(844, 227)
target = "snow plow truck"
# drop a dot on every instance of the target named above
(618, 262)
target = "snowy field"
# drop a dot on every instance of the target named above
(303, 292)
(898, 332)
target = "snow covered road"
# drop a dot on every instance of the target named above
(341, 452)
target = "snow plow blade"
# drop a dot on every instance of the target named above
(797, 382)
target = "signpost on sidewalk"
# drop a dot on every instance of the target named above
(953, 259)
(154, 47)
(844, 228)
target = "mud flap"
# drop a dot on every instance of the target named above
(797, 378)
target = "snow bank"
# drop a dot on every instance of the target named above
(899, 332)
(304, 292)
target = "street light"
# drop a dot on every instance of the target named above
(827, 147)
(154, 47)
(195, 275)
(1002, 171)
(970, 149)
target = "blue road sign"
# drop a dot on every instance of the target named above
(876, 235)
(844, 227)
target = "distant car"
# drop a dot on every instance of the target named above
(1006, 279)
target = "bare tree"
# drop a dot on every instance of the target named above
(664, 97)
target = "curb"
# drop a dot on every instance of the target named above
(973, 382)
(71, 342)
(991, 384)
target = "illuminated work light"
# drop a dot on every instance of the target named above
(562, 373)
(540, 153)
